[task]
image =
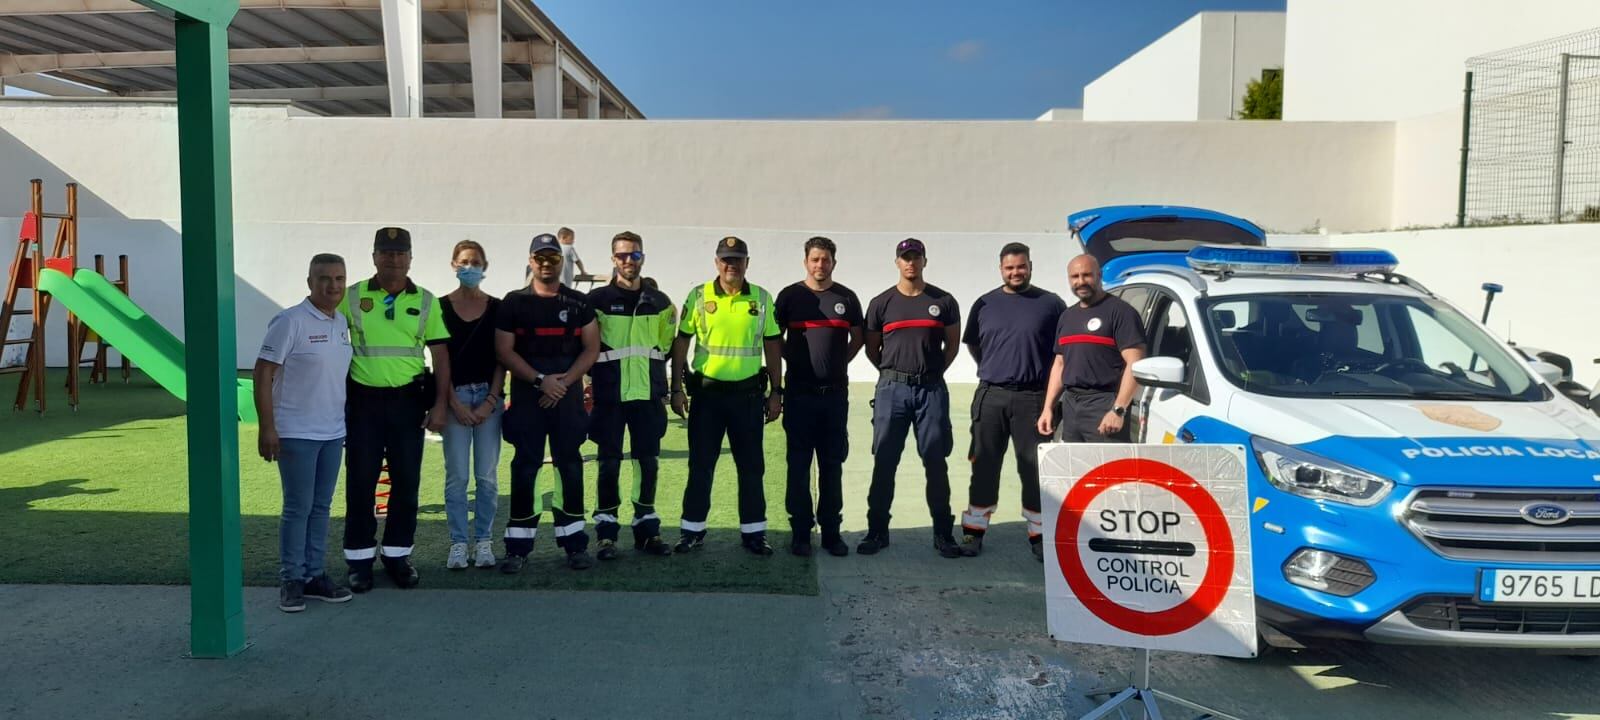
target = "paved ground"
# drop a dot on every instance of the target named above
(905, 634)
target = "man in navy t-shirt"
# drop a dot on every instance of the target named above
(1010, 333)
(913, 330)
(1097, 342)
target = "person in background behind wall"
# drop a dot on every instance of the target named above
(822, 324)
(472, 429)
(1098, 339)
(391, 398)
(299, 395)
(1010, 334)
(913, 334)
(571, 264)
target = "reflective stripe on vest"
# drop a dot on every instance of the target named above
(631, 351)
(732, 350)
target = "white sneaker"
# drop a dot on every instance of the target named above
(458, 557)
(485, 554)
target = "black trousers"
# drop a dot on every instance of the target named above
(381, 423)
(815, 425)
(528, 428)
(645, 422)
(1081, 412)
(1002, 416)
(739, 416)
(925, 410)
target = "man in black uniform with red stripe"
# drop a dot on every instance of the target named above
(546, 337)
(1098, 340)
(822, 325)
(913, 334)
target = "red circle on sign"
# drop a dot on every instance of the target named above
(1219, 547)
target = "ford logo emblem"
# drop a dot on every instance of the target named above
(1545, 514)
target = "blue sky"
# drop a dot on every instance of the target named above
(865, 58)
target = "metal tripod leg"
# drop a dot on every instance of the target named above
(1206, 712)
(1128, 695)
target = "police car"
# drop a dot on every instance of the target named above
(1414, 480)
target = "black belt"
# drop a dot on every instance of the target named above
(752, 384)
(895, 376)
(811, 389)
(1014, 387)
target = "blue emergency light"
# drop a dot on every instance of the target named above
(1290, 261)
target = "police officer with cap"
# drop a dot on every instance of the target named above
(546, 338)
(391, 399)
(733, 326)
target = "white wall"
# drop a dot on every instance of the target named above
(1389, 59)
(1236, 48)
(1427, 169)
(1198, 71)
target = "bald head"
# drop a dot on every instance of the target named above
(1083, 275)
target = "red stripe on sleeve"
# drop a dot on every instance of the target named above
(902, 324)
(556, 331)
(808, 324)
(1091, 339)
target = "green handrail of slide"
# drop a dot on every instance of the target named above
(128, 328)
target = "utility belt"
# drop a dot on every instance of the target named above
(1013, 387)
(421, 390)
(895, 376)
(696, 383)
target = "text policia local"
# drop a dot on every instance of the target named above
(1462, 451)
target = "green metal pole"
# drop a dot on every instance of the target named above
(1466, 148)
(205, 174)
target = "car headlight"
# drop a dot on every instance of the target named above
(1296, 471)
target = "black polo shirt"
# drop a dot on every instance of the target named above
(548, 330)
(816, 333)
(1012, 335)
(913, 328)
(1091, 339)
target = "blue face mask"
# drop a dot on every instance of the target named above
(469, 275)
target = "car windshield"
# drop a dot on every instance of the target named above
(1360, 345)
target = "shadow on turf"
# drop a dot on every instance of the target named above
(20, 498)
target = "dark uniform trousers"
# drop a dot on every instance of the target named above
(814, 421)
(527, 426)
(1082, 409)
(1004, 414)
(381, 423)
(899, 406)
(646, 423)
(735, 410)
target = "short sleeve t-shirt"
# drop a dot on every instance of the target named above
(816, 327)
(569, 263)
(1014, 333)
(472, 358)
(308, 390)
(913, 328)
(1091, 340)
(548, 330)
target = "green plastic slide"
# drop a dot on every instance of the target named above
(131, 330)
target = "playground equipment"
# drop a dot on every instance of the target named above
(29, 262)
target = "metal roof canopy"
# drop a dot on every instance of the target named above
(332, 57)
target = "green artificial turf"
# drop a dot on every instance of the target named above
(100, 496)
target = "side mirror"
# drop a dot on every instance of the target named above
(1549, 371)
(1160, 372)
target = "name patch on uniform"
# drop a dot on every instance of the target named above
(317, 339)
(838, 308)
(366, 304)
(933, 310)
(616, 308)
(562, 315)
(413, 311)
(1094, 323)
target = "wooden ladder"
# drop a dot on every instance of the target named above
(29, 261)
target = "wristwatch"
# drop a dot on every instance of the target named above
(1120, 410)
(538, 377)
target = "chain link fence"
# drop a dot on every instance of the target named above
(1531, 134)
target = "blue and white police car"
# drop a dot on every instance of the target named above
(1414, 480)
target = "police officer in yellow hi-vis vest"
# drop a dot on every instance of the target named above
(391, 398)
(733, 327)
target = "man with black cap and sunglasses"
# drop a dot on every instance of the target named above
(733, 326)
(546, 337)
(390, 400)
(913, 334)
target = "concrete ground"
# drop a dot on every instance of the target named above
(904, 634)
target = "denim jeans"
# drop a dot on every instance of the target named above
(481, 445)
(310, 471)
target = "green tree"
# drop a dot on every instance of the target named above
(1263, 97)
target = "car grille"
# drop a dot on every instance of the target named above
(1488, 525)
(1461, 614)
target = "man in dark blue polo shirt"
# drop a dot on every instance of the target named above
(1010, 333)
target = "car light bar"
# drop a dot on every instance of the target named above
(1232, 259)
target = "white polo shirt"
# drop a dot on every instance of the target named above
(308, 391)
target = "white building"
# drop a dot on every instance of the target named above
(1198, 71)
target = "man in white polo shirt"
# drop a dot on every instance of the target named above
(299, 393)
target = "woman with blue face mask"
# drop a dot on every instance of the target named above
(472, 431)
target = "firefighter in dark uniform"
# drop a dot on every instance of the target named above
(390, 399)
(823, 330)
(629, 378)
(546, 337)
(913, 334)
(733, 327)
(1010, 334)
(1098, 339)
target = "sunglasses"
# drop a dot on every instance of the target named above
(635, 256)
(547, 259)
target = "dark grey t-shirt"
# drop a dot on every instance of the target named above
(913, 328)
(1013, 334)
(1092, 339)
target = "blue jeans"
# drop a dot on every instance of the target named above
(310, 471)
(481, 445)
(924, 410)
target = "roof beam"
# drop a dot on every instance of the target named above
(402, 43)
(483, 36)
(346, 93)
(511, 52)
(56, 87)
(68, 7)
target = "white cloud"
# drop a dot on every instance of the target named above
(965, 51)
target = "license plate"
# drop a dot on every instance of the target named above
(1565, 587)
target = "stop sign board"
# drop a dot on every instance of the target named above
(1148, 546)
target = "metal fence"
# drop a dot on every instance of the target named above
(1531, 134)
